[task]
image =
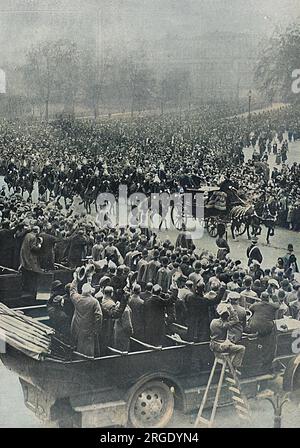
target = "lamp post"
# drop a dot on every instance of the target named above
(249, 98)
(277, 401)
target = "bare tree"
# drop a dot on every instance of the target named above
(50, 71)
(277, 61)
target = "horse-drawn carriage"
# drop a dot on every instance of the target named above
(216, 209)
(212, 207)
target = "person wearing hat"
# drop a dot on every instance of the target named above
(155, 310)
(236, 331)
(113, 310)
(87, 319)
(223, 246)
(147, 293)
(47, 253)
(7, 244)
(164, 277)
(123, 329)
(234, 284)
(136, 305)
(196, 276)
(58, 318)
(247, 293)
(255, 270)
(283, 310)
(152, 267)
(29, 261)
(199, 307)
(141, 268)
(262, 322)
(103, 282)
(287, 258)
(219, 340)
(273, 287)
(253, 252)
(77, 249)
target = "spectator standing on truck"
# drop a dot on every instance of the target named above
(155, 308)
(198, 305)
(59, 319)
(87, 319)
(137, 308)
(111, 310)
(262, 322)
(29, 257)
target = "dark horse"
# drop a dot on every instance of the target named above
(254, 216)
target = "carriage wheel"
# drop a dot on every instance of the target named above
(212, 227)
(151, 406)
(177, 219)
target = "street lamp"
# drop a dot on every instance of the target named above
(277, 401)
(249, 98)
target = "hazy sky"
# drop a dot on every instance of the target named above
(23, 22)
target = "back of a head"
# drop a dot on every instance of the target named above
(265, 297)
(149, 286)
(108, 291)
(87, 289)
(136, 289)
(156, 289)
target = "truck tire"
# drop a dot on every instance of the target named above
(151, 406)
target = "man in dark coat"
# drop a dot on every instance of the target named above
(59, 320)
(163, 277)
(155, 308)
(150, 273)
(254, 253)
(29, 258)
(111, 311)
(7, 245)
(198, 305)
(77, 249)
(262, 322)
(136, 305)
(87, 319)
(147, 293)
(47, 253)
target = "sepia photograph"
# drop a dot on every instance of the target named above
(149, 217)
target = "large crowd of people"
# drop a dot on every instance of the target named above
(134, 283)
(66, 159)
(136, 287)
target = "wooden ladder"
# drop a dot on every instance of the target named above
(229, 374)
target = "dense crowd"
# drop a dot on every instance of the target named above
(142, 285)
(70, 159)
(139, 287)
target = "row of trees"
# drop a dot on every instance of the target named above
(58, 75)
(277, 65)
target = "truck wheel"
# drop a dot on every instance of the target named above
(151, 406)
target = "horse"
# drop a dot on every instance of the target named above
(254, 216)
